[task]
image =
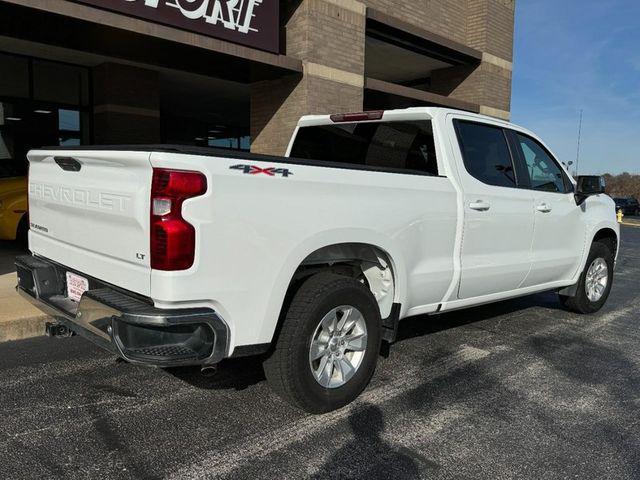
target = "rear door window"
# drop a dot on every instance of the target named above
(395, 146)
(486, 153)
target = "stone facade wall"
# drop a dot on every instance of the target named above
(329, 37)
(444, 17)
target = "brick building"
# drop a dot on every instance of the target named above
(237, 73)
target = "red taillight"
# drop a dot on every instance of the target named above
(357, 116)
(173, 239)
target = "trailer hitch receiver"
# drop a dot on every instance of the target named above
(57, 329)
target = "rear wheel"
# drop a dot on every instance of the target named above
(595, 282)
(328, 347)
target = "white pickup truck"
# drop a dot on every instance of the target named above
(173, 256)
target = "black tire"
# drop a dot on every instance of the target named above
(22, 234)
(287, 369)
(580, 302)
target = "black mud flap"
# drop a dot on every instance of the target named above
(390, 324)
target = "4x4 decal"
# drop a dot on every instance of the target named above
(255, 170)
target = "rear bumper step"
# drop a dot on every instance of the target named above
(123, 323)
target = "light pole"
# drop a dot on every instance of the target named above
(578, 147)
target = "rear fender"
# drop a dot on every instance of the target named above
(325, 239)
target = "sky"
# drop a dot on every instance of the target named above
(580, 54)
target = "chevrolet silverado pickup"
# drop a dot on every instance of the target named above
(174, 255)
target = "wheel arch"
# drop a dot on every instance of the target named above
(337, 253)
(607, 235)
(604, 231)
(367, 262)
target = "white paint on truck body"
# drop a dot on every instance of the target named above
(254, 231)
(94, 220)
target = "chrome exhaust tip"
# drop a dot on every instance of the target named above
(209, 370)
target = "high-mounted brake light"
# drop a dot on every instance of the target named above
(173, 239)
(357, 116)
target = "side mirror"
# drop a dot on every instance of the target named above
(588, 185)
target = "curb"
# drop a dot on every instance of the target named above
(23, 328)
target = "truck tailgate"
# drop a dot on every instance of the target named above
(89, 210)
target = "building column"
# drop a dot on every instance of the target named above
(126, 105)
(329, 37)
(490, 30)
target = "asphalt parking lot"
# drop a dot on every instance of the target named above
(520, 389)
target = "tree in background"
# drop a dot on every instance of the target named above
(623, 185)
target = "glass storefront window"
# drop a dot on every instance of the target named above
(14, 80)
(69, 141)
(223, 142)
(42, 103)
(54, 82)
(69, 120)
(25, 125)
(182, 130)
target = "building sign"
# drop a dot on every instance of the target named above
(254, 23)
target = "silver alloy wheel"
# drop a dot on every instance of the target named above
(338, 346)
(597, 279)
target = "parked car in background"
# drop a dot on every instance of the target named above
(628, 205)
(14, 223)
(173, 255)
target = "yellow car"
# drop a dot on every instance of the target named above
(14, 220)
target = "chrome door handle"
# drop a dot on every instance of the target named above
(544, 208)
(480, 206)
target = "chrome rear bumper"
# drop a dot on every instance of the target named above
(122, 322)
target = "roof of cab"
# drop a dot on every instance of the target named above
(411, 113)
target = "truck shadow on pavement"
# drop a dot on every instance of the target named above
(587, 413)
(428, 324)
(241, 373)
(369, 456)
(604, 368)
(119, 457)
(232, 374)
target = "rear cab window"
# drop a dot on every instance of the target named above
(395, 146)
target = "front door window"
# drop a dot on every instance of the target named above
(545, 174)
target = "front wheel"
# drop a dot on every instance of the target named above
(595, 282)
(328, 346)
